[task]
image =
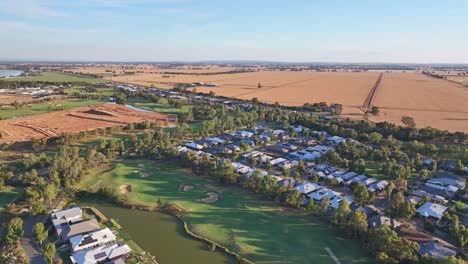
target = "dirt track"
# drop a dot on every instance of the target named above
(74, 120)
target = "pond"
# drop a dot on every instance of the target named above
(10, 73)
(163, 236)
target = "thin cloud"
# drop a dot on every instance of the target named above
(29, 8)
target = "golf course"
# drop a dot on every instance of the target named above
(248, 224)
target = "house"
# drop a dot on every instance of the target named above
(434, 249)
(288, 182)
(378, 186)
(431, 210)
(336, 140)
(242, 133)
(378, 220)
(68, 231)
(348, 176)
(321, 148)
(322, 193)
(367, 210)
(307, 187)
(369, 181)
(94, 239)
(66, 217)
(274, 162)
(335, 201)
(320, 167)
(432, 197)
(233, 147)
(101, 254)
(194, 146)
(215, 141)
(359, 179)
(288, 164)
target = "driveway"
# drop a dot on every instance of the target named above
(32, 250)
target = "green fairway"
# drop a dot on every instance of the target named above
(103, 91)
(8, 194)
(56, 77)
(162, 106)
(33, 109)
(257, 229)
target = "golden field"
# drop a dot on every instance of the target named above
(432, 102)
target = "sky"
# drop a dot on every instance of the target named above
(400, 31)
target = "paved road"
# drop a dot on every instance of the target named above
(30, 247)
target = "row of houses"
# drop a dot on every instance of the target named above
(88, 242)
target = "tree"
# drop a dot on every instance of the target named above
(375, 110)
(389, 189)
(357, 224)
(50, 192)
(39, 232)
(361, 194)
(49, 252)
(14, 230)
(286, 171)
(336, 109)
(324, 204)
(459, 168)
(406, 210)
(338, 217)
(293, 198)
(408, 121)
(312, 207)
(459, 232)
(396, 200)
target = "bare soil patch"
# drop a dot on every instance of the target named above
(186, 187)
(125, 188)
(212, 197)
(72, 121)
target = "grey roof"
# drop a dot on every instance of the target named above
(379, 220)
(79, 228)
(435, 249)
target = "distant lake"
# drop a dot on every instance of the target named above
(10, 73)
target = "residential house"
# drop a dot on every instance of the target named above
(336, 140)
(307, 187)
(431, 210)
(68, 231)
(66, 217)
(335, 201)
(194, 146)
(101, 254)
(322, 193)
(94, 239)
(434, 249)
(380, 219)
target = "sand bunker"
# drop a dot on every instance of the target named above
(186, 187)
(212, 197)
(125, 188)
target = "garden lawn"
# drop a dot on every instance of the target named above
(56, 77)
(162, 106)
(104, 91)
(45, 107)
(8, 194)
(247, 224)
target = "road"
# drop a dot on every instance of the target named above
(30, 247)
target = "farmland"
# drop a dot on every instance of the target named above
(242, 221)
(432, 102)
(73, 120)
(55, 77)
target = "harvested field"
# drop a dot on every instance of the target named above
(72, 121)
(432, 102)
(7, 99)
(212, 197)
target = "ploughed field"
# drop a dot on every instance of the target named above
(254, 227)
(74, 120)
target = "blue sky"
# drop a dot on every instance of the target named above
(429, 31)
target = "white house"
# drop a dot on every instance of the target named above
(307, 187)
(335, 201)
(92, 240)
(194, 146)
(322, 193)
(67, 216)
(433, 210)
(100, 254)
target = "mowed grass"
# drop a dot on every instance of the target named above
(8, 194)
(39, 108)
(56, 77)
(104, 91)
(254, 227)
(162, 106)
